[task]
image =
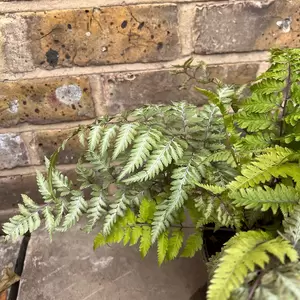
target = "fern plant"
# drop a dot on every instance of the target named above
(232, 165)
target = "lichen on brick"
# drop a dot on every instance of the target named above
(69, 94)
(44, 101)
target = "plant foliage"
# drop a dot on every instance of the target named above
(232, 164)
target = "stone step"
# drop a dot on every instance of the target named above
(67, 269)
(10, 256)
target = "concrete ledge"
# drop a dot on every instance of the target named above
(69, 269)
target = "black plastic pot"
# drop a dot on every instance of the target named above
(212, 243)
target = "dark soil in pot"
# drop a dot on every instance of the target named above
(212, 243)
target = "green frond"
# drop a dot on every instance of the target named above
(293, 118)
(108, 136)
(147, 210)
(256, 141)
(291, 137)
(263, 198)
(145, 241)
(76, 207)
(242, 254)
(161, 157)
(291, 225)
(162, 247)
(49, 220)
(18, 225)
(29, 203)
(82, 136)
(215, 189)
(175, 244)
(143, 144)
(261, 103)
(94, 136)
(127, 235)
(116, 209)
(281, 283)
(97, 207)
(61, 183)
(268, 86)
(135, 235)
(223, 155)
(43, 186)
(183, 179)
(254, 122)
(99, 241)
(193, 244)
(262, 169)
(125, 137)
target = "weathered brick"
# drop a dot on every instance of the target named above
(129, 90)
(15, 52)
(13, 151)
(44, 101)
(47, 141)
(246, 26)
(95, 36)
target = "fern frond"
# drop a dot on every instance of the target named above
(194, 243)
(147, 210)
(108, 135)
(293, 118)
(135, 235)
(145, 242)
(61, 183)
(215, 189)
(49, 220)
(291, 225)
(254, 122)
(43, 187)
(97, 207)
(161, 157)
(162, 247)
(143, 144)
(94, 137)
(99, 241)
(183, 179)
(262, 169)
(268, 86)
(242, 253)
(125, 137)
(283, 282)
(116, 209)
(261, 103)
(264, 198)
(175, 244)
(20, 224)
(76, 207)
(255, 141)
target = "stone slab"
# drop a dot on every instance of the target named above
(9, 254)
(69, 269)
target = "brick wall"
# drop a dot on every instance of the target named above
(63, 63)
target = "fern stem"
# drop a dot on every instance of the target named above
(255, 285)
(286, 93)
